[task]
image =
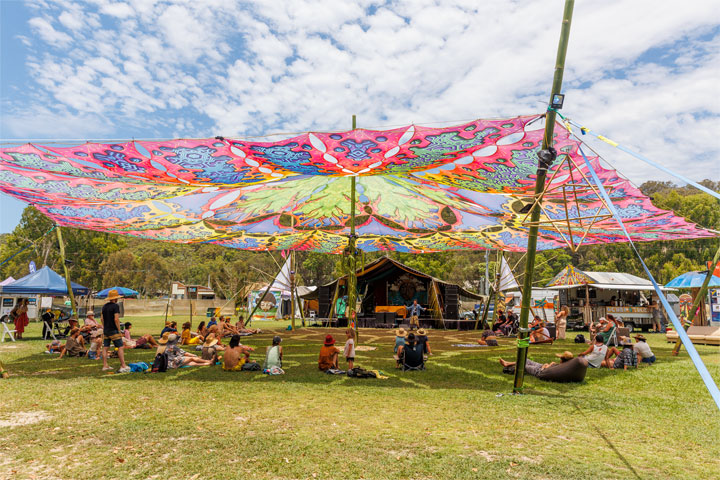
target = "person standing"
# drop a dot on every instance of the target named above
(20, 317)
(111, 331)
(561, 323)
(415, 310)
(349, 350)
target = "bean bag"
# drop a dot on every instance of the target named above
(573, 370)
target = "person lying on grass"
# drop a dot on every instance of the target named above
(623, 359)
(188, 337)
(596, 353)
(176, 356)
(240, 325)
(533, 368)
(328, 357)
(74, 346)
(145, 341)
(236, 355)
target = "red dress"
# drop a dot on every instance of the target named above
(21, 321)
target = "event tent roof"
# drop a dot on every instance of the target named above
(603, 280)
(43, 282)
(7, 281)
(419, 189)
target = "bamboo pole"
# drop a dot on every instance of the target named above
(698, 300)
(497, 287)
(543, 165)
(352, 275)
(71, 294)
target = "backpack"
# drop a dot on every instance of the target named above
(160, 364)
(251, 366)
(580, 338)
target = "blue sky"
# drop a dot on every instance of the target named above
(645, 73)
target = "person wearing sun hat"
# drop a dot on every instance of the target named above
(642, 350)
(111, 331)
(422, 339)
(328, 354)
(210, 348)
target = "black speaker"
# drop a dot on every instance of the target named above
(390, 317)
(380, 317)
(452, 311)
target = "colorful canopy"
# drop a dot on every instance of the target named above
(570, 276)
(419, 190)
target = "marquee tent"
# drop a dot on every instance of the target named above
(43, 282)
(419, 189)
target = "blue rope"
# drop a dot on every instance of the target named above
(694, 356)
(585, 130)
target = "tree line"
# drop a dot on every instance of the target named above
(99, 260)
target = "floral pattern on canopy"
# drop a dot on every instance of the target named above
(419, 189)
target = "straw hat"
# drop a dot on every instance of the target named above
(400, 332)
(164, 339)
(113, 295)
(90, 314)
(421, 332)
(210, 340)
(566, 355)
(640, 337)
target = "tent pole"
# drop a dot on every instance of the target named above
(544, 163)
(67, 273)
(497, 287)
(352, 276)
(698, 300)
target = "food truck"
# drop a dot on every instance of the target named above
(596, 294)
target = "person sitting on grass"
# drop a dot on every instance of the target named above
(177, 357)
(488, 338)
(540, 333)
(410, 345)
(188, 337)
(236, 355)
(422, 339)
(95, 347)
(74, 346)
(170, 327)
(400, 335)
(596, 353)
(145, 341)
(273, 354)
(328, 354)
(534, 368)
(623, 359)
(201, 330)
(240, 325)
(642, 349)
(210, 348)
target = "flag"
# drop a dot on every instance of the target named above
(507, 279)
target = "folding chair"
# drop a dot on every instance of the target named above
(7, 331)
(412, 358)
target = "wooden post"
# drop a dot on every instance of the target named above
(543, 164)
(71, 294)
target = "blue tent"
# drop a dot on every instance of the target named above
(125, 292)
(43, 282)
(692, 280)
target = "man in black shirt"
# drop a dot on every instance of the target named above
(111, 331)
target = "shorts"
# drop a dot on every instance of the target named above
(649, 359)
(116, 338)
(350, 359)
(414, 320)
(92, 355)
(140, 342)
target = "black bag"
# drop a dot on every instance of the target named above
(580, 338)
(358, 372)
(251, 366)
(160, 364)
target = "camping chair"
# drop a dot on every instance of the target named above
(6, 330)
(412, 358)
(47, 319)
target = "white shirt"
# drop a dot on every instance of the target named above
(350, 348)
(643, 349)
(596, 357)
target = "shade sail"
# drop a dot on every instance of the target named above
(43, 282)
(419, 189)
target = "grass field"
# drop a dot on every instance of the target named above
(64, 418)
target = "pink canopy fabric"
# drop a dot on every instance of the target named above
(419, 189)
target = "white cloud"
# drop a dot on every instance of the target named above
(649, 80)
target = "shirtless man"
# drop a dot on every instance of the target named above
(236, 355)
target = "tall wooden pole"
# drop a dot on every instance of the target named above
(67, 272)
(698, 300)
(545, 159)
(352, 276)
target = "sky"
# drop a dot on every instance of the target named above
(642, 72)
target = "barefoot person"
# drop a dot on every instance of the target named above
(328, 357)
(534, 368)
(177, 357)
(111, 331)
(19, 314)
(236, 355)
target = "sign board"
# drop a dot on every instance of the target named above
(32, 267)
(715, 307)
